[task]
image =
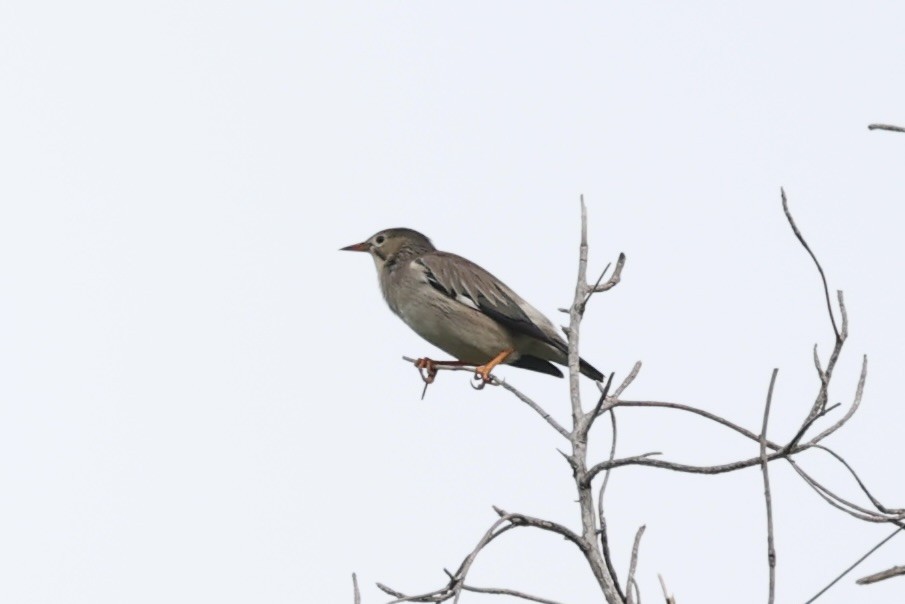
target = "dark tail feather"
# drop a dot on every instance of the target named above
(589, 370)
(536, 364)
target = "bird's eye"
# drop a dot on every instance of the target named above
(379, 239)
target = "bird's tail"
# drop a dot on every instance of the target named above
(589, 370)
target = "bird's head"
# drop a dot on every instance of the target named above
(392, 243)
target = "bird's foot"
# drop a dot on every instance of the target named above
(482, 375)
(427, 368)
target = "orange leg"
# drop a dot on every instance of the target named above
(431, 366)
(483, 372)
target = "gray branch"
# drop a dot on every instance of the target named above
(886, 127)
(895, 571)
(771, 550)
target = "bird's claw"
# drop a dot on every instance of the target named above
(481, 378)
(427, 369)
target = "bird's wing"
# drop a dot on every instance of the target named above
(473, 286)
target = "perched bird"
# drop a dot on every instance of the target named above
(461, 308)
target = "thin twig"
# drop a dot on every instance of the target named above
(489, 536)
(595, 412)
(454, 587)
(826, 289)
(604, 538)
(545, 525)
(861, 484)
(852, 567)
(537, 408)
(508, 592)
(633, 563)
(843, 504)
(614, 280)
(606, 475)
(669, 599)
(603, 397)
(626, 382)
(771, 551)
(507, 386)
(706, 414)
(895, 571)
(594, 287)
(644, 460)
(886, 127)
(859, 392)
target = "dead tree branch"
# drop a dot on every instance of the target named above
(633, 564)
(666, 596)
(771, 550)
(508, 592)
(895, 571)
(886, 127)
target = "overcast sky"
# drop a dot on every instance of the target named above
(202, 400)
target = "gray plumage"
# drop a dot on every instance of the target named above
(461, 308)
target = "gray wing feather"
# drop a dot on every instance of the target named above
(473, 286)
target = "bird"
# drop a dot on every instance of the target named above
(462, 309)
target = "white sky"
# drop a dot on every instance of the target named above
(203, 401)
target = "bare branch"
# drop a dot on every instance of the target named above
(601, 517)
(843, 504)
(581, 422)
(841, 300)
(771, 551)
(454, 587)
(606, 475)
(859, 391)
(599, 279)
(537, 408)
(863, 487)
(588, 420)
(545, 525)
(644, 460)
(669, 599)
(826, 289)
(626, 382)
(636, 591)
(696, 411)
(507, 386)
(633, 564)
(357, 593)
(819, 407)
(895, 571)
(508, 592)
(575, 315)
(886, 127)
(614, 279)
